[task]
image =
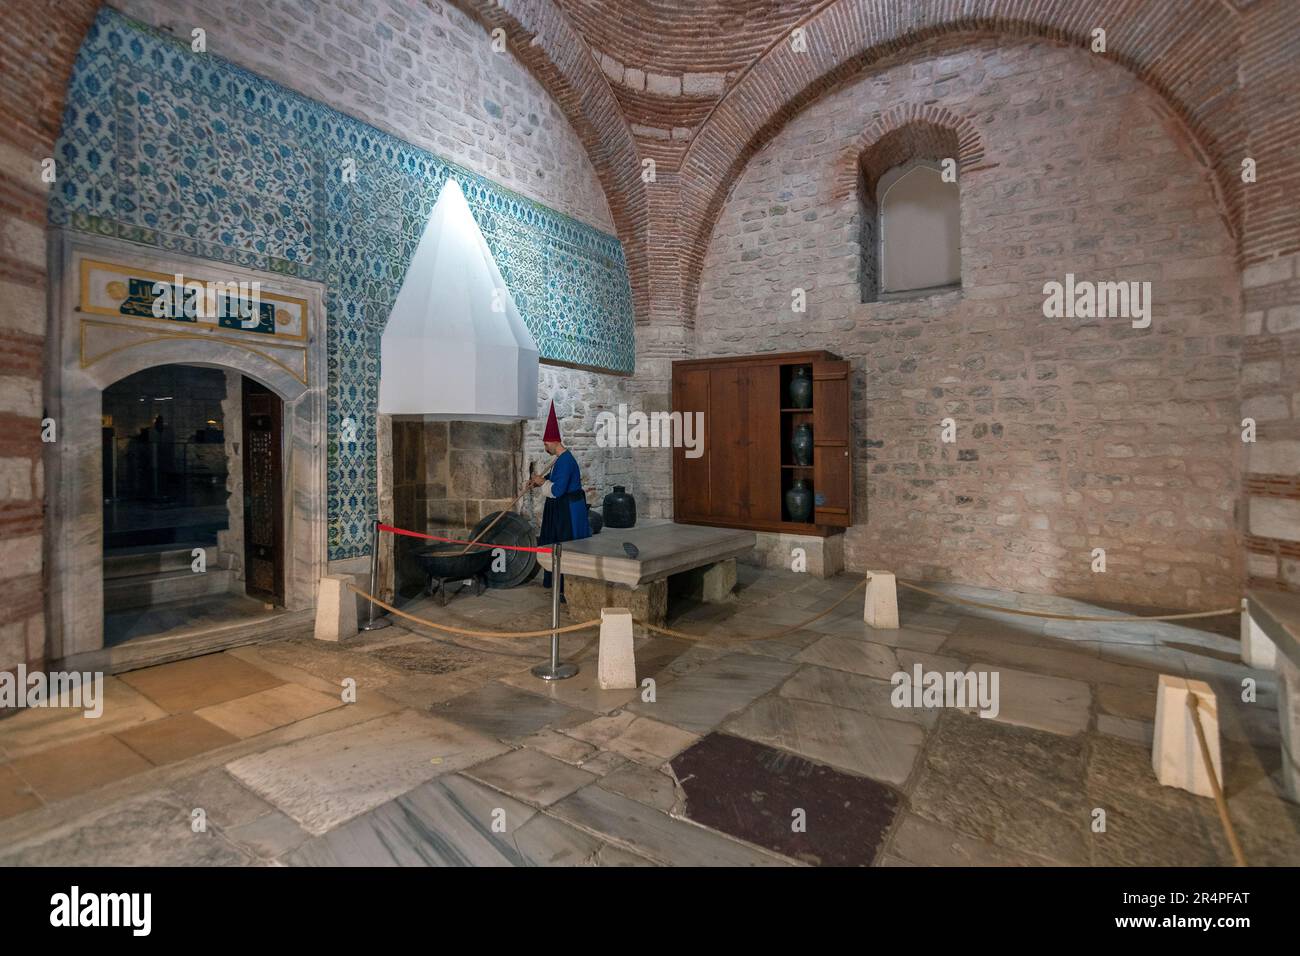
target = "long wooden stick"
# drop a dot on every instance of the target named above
(527, 487)
(1219, 801)
(500, 515)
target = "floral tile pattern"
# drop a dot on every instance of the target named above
(191, 154)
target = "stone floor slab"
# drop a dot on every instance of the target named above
(270, 836)
(654, 834)
(445, 822)
(507, 713)
(1054, 704)
(558, 745)
(41, 728)
(703, 698)
(324, 781)
(855, 656)
(530, 776)
(599, 731)
(199, 682)
(921, 842)
(884, 750)
(650, 742)
(224, 800)
(581, 691)
(1148, 824)
(822, 685)
(174, 738)
(153, 827)
(268, 709)
(654, 788)
(1014, 787)
(16, 796)
(70, 769)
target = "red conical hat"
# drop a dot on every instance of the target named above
(552, 432)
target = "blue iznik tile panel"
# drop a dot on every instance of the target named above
(189, 153)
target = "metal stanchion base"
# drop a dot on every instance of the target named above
(378, 624)
(560, 672)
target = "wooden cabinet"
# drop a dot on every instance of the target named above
(748, 462)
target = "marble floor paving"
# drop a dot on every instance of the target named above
(408, 747)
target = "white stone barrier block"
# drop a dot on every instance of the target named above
(1256, 649)
(881, 608)
(1175, 750)
(616, 668)
(336, 609)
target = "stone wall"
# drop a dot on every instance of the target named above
(424, 72)
(1073, 434)
(447, 476)
(1270, 387)
(43, 38)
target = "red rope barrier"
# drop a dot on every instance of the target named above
(477, 544)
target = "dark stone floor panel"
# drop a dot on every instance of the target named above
(751, 791)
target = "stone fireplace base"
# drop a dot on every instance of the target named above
(445, 477)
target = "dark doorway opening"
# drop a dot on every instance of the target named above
(193, 524)
(164, 459)
(263, 511)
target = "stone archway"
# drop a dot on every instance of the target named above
(92, 346)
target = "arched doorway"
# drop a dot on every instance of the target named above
(193, 502)
(101, 337)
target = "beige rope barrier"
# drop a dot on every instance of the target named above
(595, 622)
(952, 599)
(764, 637)
(468, 632)
(1194, 706)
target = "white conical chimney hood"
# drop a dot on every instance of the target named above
(455, 345)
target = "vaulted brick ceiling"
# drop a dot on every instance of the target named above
(670, 62)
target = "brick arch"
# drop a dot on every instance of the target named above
(543, 39)
(1167, 46)
(900, 133)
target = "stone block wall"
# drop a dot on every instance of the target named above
(424, 72)
(1072, 434)
(41, 39)
(1270, 395)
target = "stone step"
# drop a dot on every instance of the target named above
(146, 590)
(154, 562)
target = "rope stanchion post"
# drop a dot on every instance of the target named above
(553, 669)
(373, 623)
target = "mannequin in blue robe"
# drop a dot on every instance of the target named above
(564, 515)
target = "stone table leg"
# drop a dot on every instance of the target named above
(587, 597)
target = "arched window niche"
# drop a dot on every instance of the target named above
(910, 209)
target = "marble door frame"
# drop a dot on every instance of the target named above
(85, 354)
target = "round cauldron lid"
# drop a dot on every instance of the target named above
(513, 529)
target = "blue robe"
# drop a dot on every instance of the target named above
(564, 516)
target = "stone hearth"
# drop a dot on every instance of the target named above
(448, 475)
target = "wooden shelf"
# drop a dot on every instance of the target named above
(748, 464)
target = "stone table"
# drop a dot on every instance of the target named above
(1277, 614)
(700, 560)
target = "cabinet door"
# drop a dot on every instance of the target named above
(727, 436)
(832, 445)
(763, 437)
(691, 475)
